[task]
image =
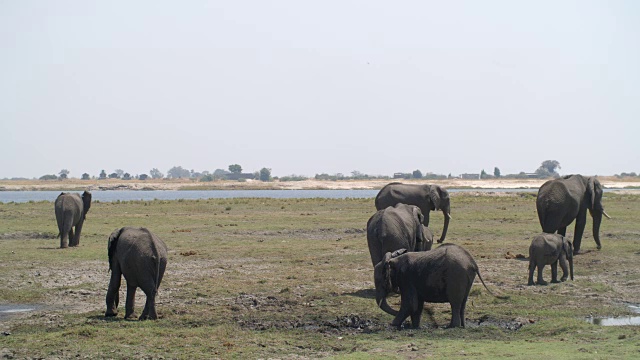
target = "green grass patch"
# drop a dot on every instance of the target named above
(291, 278)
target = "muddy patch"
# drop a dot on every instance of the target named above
(22, 235)
(247, 306)
(347, 324)
(511, 325)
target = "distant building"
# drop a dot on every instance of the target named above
(402, 176)
(238, 176)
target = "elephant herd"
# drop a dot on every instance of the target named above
(400, 244)
(399, 240)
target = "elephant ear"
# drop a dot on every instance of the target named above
(418, 219)
(595, 191)
(434, 195)
(86, 202)
(112, 244)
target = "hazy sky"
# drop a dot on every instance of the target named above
(306, 87)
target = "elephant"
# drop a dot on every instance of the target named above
(426, 197)
(71, 210)
(560, 201)
(141, 257)
(548, 249)
(442, 275)
(397, 227)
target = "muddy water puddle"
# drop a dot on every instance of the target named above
(618, 320)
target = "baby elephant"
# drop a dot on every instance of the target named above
(547, 249)
(441, 275)
(141, 257)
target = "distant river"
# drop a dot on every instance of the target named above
(127, 195)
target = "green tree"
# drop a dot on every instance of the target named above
(355, 174)
(207, 178)
(265, 174)
(235, 168)
(496, 172)
(126, 176)
(178, 172)
(64, 173)
(85, 176)
(103, 175)
(48, 177)
(548, 169)
(220, 174)
(156, 174)
(114, 175)
(417, 174)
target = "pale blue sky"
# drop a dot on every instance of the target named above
(307, 87)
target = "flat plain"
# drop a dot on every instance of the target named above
(292, 279)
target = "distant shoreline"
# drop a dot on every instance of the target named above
(312, 184)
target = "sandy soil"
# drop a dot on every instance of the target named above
(180, 184)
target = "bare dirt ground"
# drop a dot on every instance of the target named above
(181, 184)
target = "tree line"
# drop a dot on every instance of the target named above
(176, 172)
(547, 169)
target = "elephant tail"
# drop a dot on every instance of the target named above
(502, 297)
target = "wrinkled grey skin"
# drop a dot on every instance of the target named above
(71, 210)
(426, 197)
(548, 249)
(561, 201)
(142, 258)
(442, 275)
(397, 227)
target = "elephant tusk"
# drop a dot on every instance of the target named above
(449, 216)
(605, 214)
(380, 303)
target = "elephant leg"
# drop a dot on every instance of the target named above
(532, 268)
(149, 311)
(455, 315)
(565, 269)
(406, 300)
(581, 222)
(66, 238)
(462, 310)
(113, 293)
(417, 314)
(131, 301)
(554, 272)
(71, 237)
(540, 280)
(76, 238)
(64, 242)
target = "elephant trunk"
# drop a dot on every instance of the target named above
(381, 300)
(447, 216)
(597, 219)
